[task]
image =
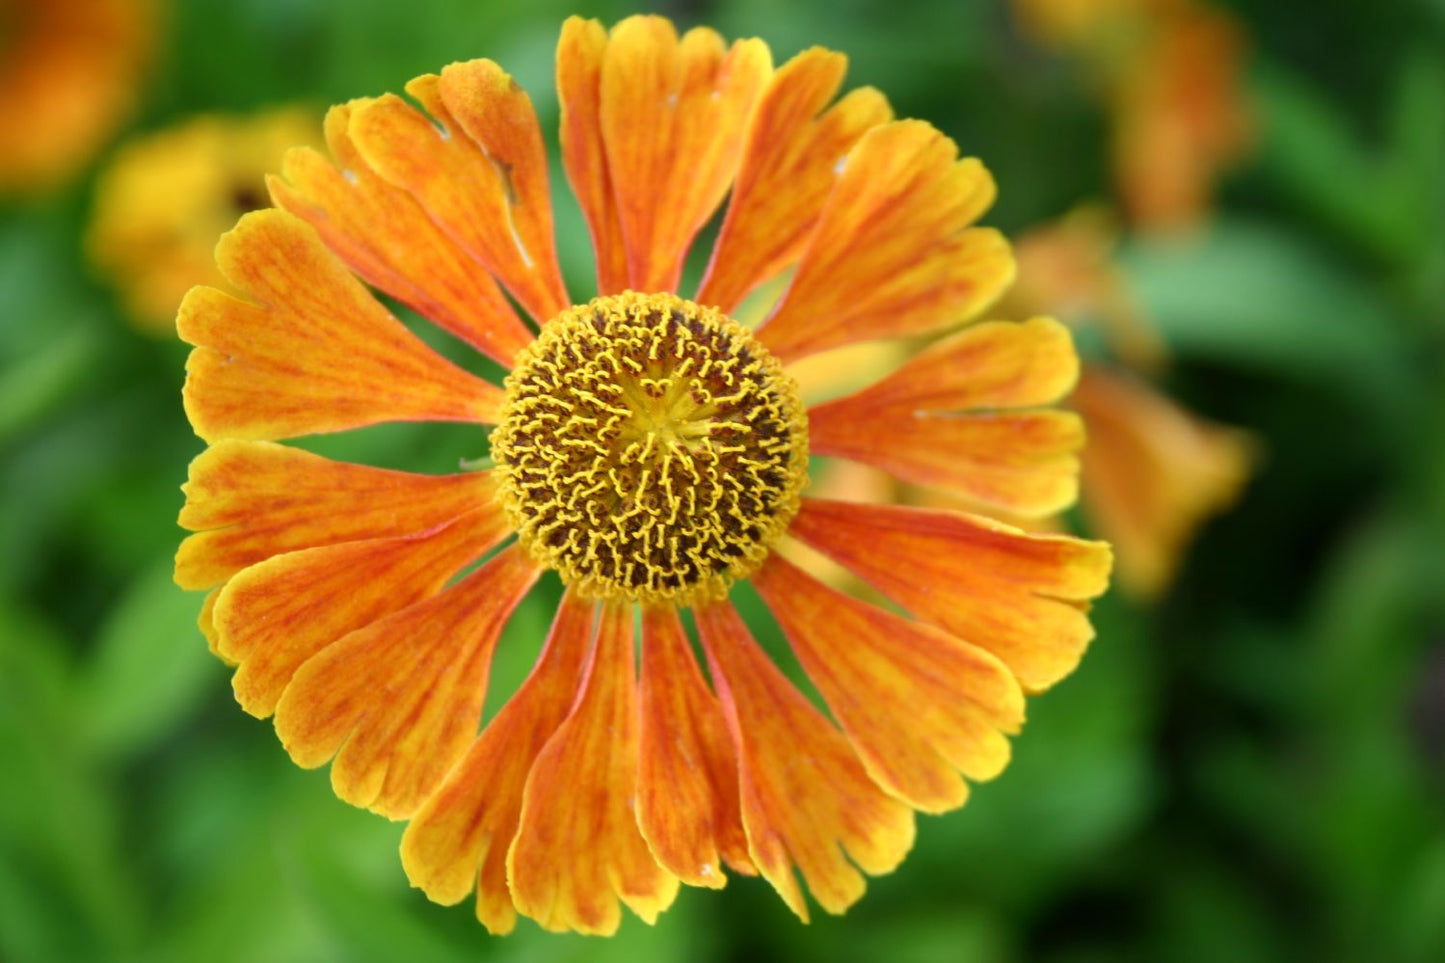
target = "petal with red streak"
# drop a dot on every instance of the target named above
(477, 167)
(385, 237)
(584, 153)
(963, 416)
(1020, 596)
(398, 701)
(459, 838)
(273, 616)
(312, 351)
(892, 253)
(250, 500)
(578, 850)
(789, 166)
(673, 116)
(806, 799)
(919, 705)
(687, 788)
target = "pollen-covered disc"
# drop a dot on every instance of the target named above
(650, 449)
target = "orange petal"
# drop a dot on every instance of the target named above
(919, 705)
(398, 701)
(385, 237)
(479, 171)
(1016, 595)
(673, 117)
(459, 837)
(892, 253)
(789, 165)
(273, 616)
(687, 789)
(958, 417)
(578, 850)
(250, 500)
(806, 800)
(1152, 474)
(579, 71)
(315, 352)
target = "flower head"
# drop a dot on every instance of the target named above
(69, 74)
(651, 451)
(164, 198)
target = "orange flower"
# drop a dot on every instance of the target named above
(1152, 471)
(1170, 72)
(652, 452)
(164, 198)
(69, 72)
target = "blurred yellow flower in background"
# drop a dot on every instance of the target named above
(70, 72)
(166, 196)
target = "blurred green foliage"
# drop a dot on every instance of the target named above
(1253, 769)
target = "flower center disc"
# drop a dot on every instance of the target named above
(649, 449)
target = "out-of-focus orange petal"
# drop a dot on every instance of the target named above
(919, 705)
(70, 74)
(963, 416)
(584, 153)
(477, 168)
(385, 237)
(459, 838)
(1180, 116)
(1066, 269)
(789, 165)
(398, 701)
(250, 500)
(1152, 473)
(1017, 595)
(312, 351)
(806, 799)
(578, 850)
(687, 785)
(673, 116)
(273, 616)
(892, 253)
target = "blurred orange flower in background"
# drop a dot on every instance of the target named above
(652, 452)
(70, 72)
(164, 198)
(1170, 72)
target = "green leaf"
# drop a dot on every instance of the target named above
(150, 668)
(1257, 296)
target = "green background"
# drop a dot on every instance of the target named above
(1251, 769)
